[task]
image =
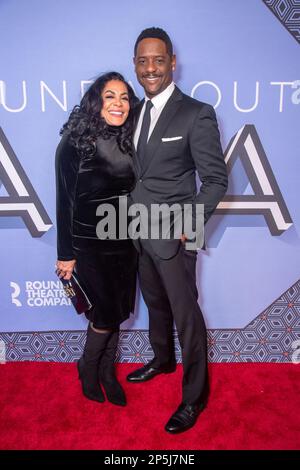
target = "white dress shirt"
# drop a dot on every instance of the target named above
(159, 102)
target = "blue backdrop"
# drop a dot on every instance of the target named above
(235, 55)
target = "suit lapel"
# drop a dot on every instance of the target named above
(136, 120)
(164, 120)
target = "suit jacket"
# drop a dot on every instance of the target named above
(168, 172)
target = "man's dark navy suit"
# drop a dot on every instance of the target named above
(185, 141)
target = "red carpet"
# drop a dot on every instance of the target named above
(252, 406)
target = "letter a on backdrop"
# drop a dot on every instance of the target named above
(267, 199)
(22, 200)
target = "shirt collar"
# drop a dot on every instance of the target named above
(161, 99)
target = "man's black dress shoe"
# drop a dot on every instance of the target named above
(184, 418)
(147, 372)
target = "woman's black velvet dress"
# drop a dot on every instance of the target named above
(107, 268)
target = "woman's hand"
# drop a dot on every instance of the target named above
(65, 268)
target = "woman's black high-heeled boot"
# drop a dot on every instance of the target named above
(89, 362)
(107, 374)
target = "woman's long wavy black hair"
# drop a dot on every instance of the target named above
(85, 123)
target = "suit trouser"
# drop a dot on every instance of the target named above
(170, 292)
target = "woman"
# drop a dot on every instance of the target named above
(93, 167)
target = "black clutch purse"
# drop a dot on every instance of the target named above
(76, 292)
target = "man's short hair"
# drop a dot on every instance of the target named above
(156, 33)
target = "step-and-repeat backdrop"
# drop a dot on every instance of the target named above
(241, 57)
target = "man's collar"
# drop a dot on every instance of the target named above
(161, 99)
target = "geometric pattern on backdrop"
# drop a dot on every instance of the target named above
(288, 13)
(273, 336)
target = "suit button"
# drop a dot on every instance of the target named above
(140, 180)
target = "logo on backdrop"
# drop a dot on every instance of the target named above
(15, 294)
(22, 200)
(40, 294)
(282, 92)
(266, 198)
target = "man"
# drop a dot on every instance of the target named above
(175, 137)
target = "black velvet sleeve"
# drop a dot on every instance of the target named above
(66, 170)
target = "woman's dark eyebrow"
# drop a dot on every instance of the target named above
(111, 91)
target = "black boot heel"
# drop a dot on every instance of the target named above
(88, 364)
(107, 375)
(114, 392)
(90, 387)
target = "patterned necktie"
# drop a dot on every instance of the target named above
(143, 138)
